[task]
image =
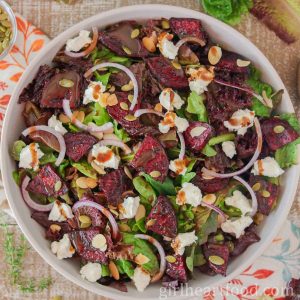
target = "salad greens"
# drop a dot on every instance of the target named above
(196, 106)
(166, 188)
(287, 156)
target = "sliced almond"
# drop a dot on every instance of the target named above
(141, 259)
(242, 63)
(91, 182)
(112, 89)
(114, 270)
(209, 198)
(196, 131)
(149, 43)
(130, 118)
(63, 118)
(207, 177)
(128, 173)
(99, 169)
(124, 106)
(158, 107)
(150, 222)
(99, 242)
(113, 211)
(267, 100)
(176, 65)
(214, 55)
(127, 87)
(155, 174)
(55, 228)
(81, 182)
(112, 100)
(124, 227)
(140, 213)
(79, 115)
(98, 135)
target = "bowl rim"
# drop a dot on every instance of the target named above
(55, 263)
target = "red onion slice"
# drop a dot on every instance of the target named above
(216, 209)
(190, 39)
(117, 143)
(32, 204)
(251, 192)
(238, 87)
(89, 49)
(103, 210)
(89, 72)
(91, 127)
(60, 138)
(182, 145)
(140, 112)
(161, 252)
(211, 173)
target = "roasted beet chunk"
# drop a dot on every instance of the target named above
(82, 241)
(150, 157)
(78, 144)
(246, 144)
(209, 185)
(97, 218)
(177, 270)
(114, 184)
(44, 183)
(228, 62)
(197, 135)
(166, 74)
(164, 218)
(184, 27)
(266, 192)
(118, 39)
(278, 133)
(220, 162)
(217, 257)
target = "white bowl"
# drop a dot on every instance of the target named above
(13, 125)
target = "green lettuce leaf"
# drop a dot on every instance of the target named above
(99, 115)
(138, 226)
(165, 188)
(47, 158)
(221, 138)
(105, 271)
(196, 106)
(103, 78)
(187, 177)
(61, 169)
(287, 155)
(120, 132)
(16, 149)
(208, 151)
(143, 247)
(291, 118)
(85, 168)
(144, 189)
(105, 54)
(125, 267)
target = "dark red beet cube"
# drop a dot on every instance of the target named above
(177, 270)
(197, 143)
(278, 133)
(246, 144)
(44, 183)
(78, 144)
(164, 218)
(150, 157)
(228, 62)
(114, 184)
(221, 251)
(209, 185)
(166, 74)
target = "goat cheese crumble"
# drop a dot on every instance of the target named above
(141, 279)
(95, 93)
(179, 166)
(77, 43)
(60, 212)
(170, 99)
(240, 121)
(166, 46)
(228, 148)
(189, 194)
(63, 248)
(171, 120)
(30, 156)
(57, 125)
(129, 207)
(91, 271)
(267, 166)
(240, 201)
(200, 78)
(237, 226)
(105, 157)
(183, 240)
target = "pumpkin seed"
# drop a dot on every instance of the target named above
(170, 259)
(5, 42)
(265, 194)
(3, 16)
(85, 221)
(165, 24)
(57, 298)
(256, 187)
(130, 118)
(258, 218)
(124, 105)
(2, 28)
(176, 65)
(66, 83)
(278, 129)
(57, 186)
(6, 23)
(135, 33)
(130, 98)
(155, 174)
(124, 227)
(216, 260)
(114, 270)
(127, 50)
(127, 87)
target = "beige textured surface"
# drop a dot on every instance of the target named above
(53, 18)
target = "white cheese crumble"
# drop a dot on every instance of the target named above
(91, 271)
(179, 166)
(57, 125)
(183, 240)
(63, 248)
(171, 120)
(170, 99)
(29, 157)
(239, 201)
(228, 148)
(200, 78)
(60, 212)
(189, 194)
(105, 157)
(267, 166)
(238, 226)
(129, 207)
(240, 121)
(95, 93)
(141, 279)
(165, 45)
(77, 43)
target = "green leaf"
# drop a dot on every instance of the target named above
(190, 252)
(291, 118)
(125, 267)
(199, 259)
(231, 211)
(221, 138)
(142, 247)
(16, 176)
(47, 158)
(16, 149)
(287, 155)
(138, 226)
(105, 271)
(196, 106)
(73, 128)
(103, 78)
(165, 188)
(208, 151)
(85, 168)
(99, 115)
(61, 169)
(120, 132)
(105, 54)
(187, 177)
(260, 109)
(144, 189)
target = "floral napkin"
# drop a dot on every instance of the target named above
(267, 276)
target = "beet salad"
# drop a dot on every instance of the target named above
(151, 153)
